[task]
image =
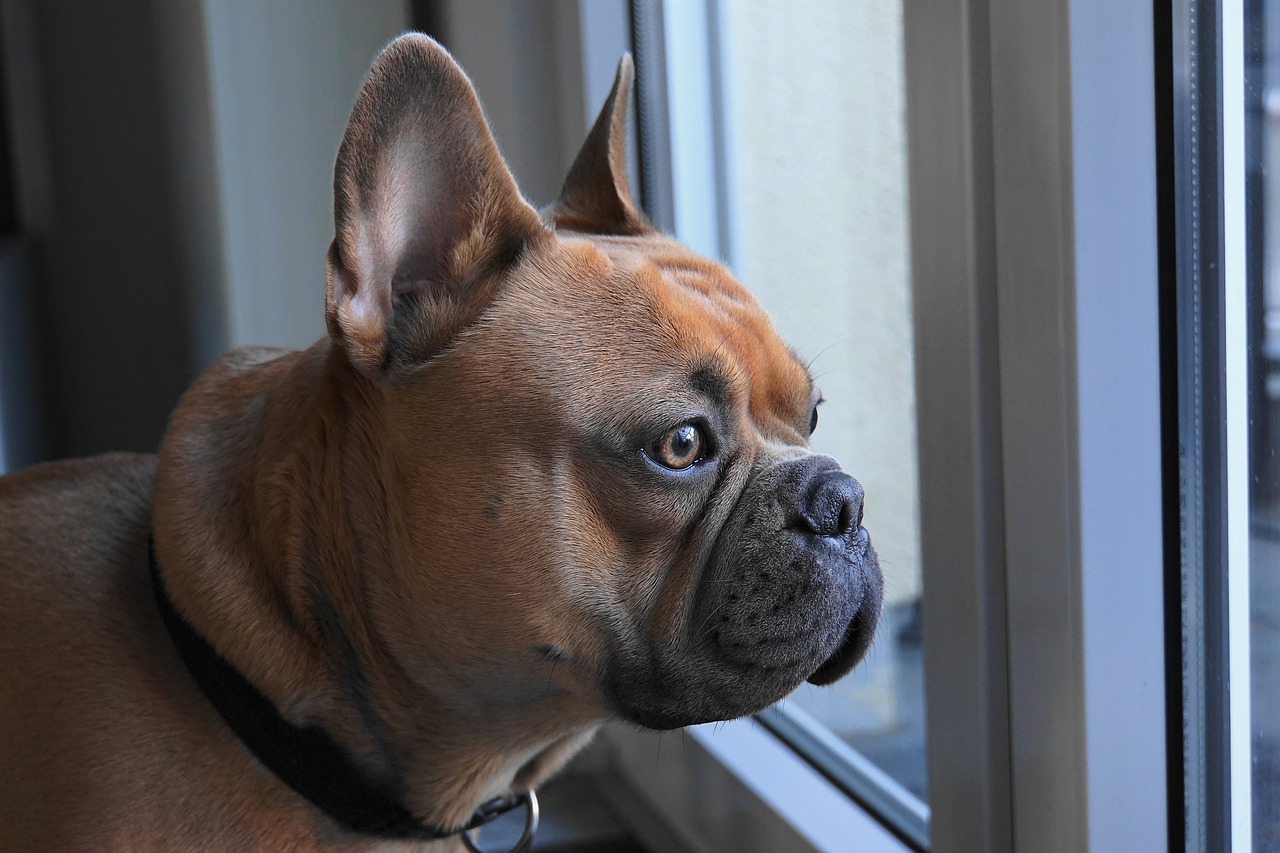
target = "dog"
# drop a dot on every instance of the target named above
(546, 469)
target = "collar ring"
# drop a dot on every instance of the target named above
(529, 800)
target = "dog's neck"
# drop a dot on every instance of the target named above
(274, 509)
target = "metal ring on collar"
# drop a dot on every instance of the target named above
(530, 826)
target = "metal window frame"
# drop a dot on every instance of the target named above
(953, 256)
(857, 777)
(1197, 141)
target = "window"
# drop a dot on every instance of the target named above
(1094, 325)
(1022, 287)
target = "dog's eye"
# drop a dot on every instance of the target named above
(680, 448)
(813, 416)
(818, 400)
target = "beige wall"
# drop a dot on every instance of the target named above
(816, 138)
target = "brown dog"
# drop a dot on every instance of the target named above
(545, 470)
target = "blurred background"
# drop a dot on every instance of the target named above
(166, 173)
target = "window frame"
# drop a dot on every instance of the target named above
(1056, 238)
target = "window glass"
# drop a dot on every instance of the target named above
(813, 122)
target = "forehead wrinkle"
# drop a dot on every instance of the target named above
(703, 297)
(686, 306)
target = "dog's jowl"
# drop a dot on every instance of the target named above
(545, 469)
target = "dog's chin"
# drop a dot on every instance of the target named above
(662, 720)
(723, 693)
(708, 693)
(857, 637)
(678, 715)
(700, 701)
(856, 642)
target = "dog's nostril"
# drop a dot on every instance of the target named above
(851, 510)
(845, 523)
(832, 505)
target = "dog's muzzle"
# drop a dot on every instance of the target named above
(794, 580)
(831, 507)
(792, 592)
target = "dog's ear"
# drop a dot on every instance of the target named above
(596, 197)
(427, 214)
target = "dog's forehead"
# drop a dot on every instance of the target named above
(682, 312)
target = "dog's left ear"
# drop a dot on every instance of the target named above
(596, 197)
(427, 214)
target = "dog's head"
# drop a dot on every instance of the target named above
(600, 473)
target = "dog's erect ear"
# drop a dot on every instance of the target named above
(597, 195)
(427, 214)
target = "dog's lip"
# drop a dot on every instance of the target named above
(857, 639)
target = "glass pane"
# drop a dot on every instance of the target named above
(814, 127)
(1263, 45)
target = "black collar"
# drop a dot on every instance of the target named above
(307, 760)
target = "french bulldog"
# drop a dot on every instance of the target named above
(546, 469)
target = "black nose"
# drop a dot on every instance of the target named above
(832, 504)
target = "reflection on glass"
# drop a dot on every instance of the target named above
(814, 127)
(1263, 18)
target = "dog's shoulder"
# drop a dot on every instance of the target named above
(63, 517)
(88, 478)
(96, 701)
(71, 533)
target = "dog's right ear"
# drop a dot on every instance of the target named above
(427, 214)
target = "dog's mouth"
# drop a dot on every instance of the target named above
(745, 671)
(839, 614)
(722, 693)
(857, 639)
(862, 628)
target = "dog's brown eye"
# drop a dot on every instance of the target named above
(680, 448)
(817, 400)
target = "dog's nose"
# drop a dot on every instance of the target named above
(832, 504)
